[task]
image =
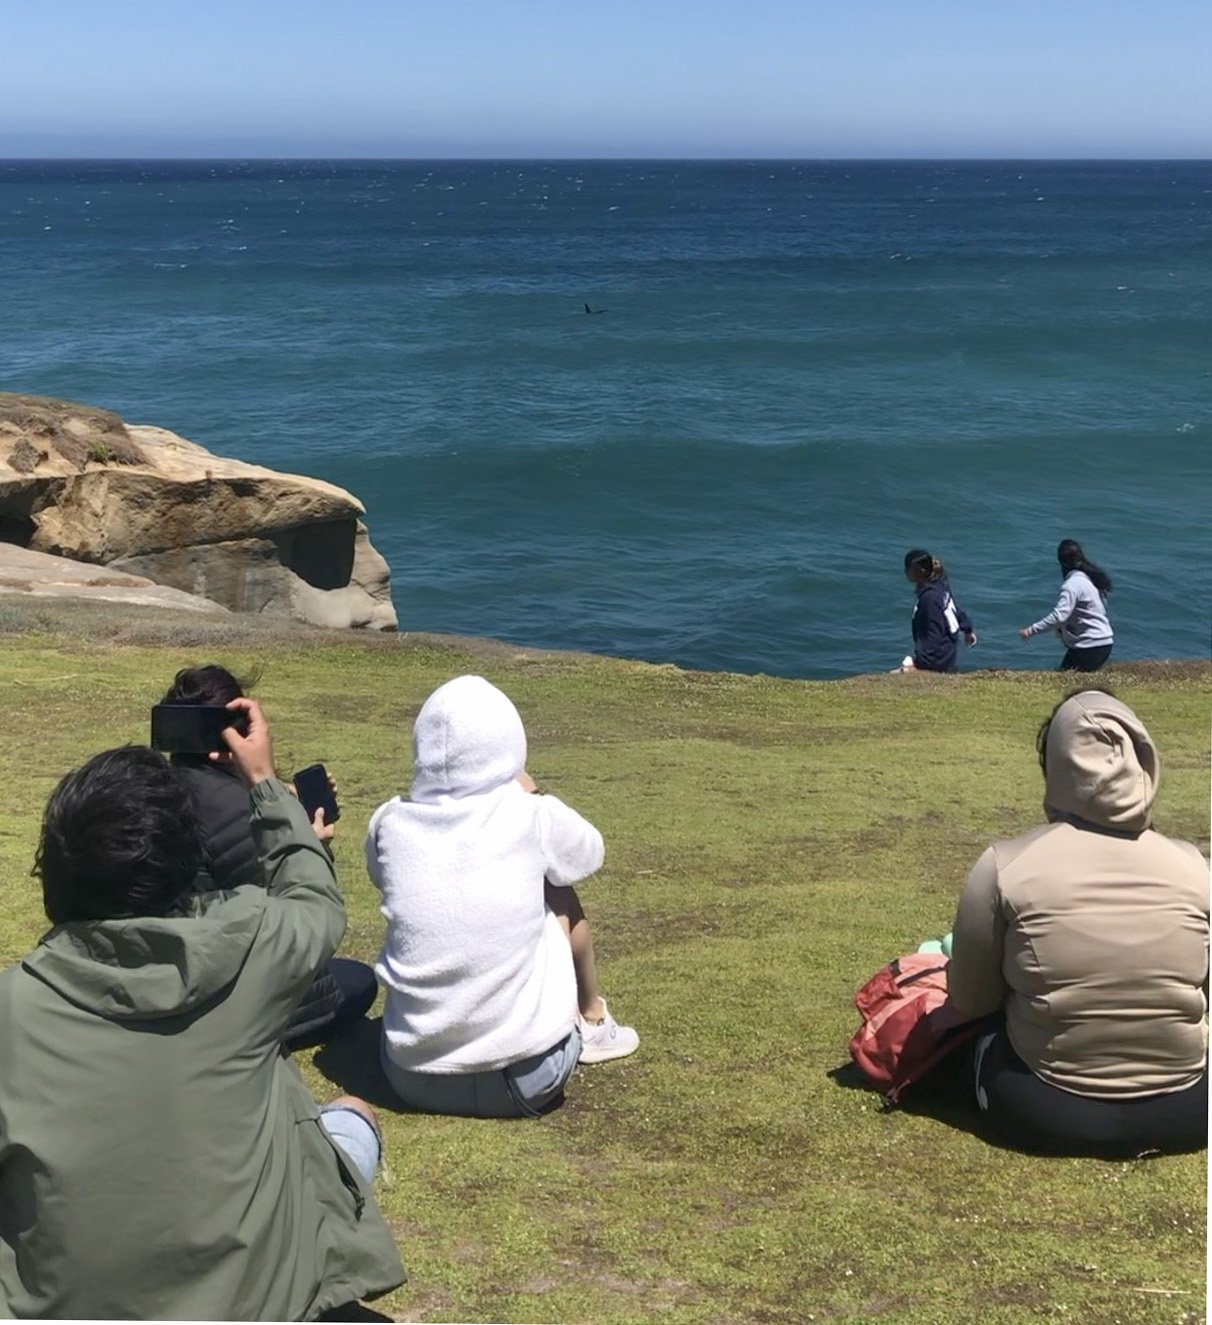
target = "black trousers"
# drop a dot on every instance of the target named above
(1030, 1114)
(1085, 660)
(341, 994)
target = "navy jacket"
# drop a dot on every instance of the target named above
(937, 620)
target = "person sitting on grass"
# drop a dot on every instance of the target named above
(160, 1158)
(1090, 935)
(343, 989)
(488, 962)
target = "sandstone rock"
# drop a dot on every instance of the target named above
(40, 575)
(327, 574)
(62, 436)
(78, 482)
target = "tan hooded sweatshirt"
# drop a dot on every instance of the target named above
(1092, 931)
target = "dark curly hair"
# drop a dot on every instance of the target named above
(119, 839)
(208, 684)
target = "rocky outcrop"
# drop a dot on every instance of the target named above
(77, 482)
(38, 575)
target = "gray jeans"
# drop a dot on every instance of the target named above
(355, 1135)
(520, 1090)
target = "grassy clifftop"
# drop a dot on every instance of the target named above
(769, 844)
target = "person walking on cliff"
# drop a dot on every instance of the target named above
(1080, 615)
(938, 620)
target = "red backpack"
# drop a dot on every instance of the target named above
(908, 1023)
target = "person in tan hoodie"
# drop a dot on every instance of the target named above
(1091, 934)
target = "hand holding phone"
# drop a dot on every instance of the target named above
(248, 741)
(315, 791)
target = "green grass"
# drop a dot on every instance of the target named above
(769, 844)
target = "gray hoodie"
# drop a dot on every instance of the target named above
(1092, 930)
(1080, 614)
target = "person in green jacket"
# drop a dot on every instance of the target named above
(159, 1157)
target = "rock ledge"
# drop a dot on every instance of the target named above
(77, 482)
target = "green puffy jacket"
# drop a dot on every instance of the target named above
(159, 1158)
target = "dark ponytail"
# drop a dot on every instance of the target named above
(1071, 557)
(928, 567)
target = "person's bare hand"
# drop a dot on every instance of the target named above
(972, 637)
(253, 754)
(323, 829)
(526, 782)
(1025, 633)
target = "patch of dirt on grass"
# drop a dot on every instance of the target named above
(764, 735)
(875, 1306)
(584, 1273)
(636, 934)
(1018, 1295)
(429, 1304)
(1166, 1221)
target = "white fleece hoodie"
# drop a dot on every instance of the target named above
(478, 972)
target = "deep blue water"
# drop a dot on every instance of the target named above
(802, 370)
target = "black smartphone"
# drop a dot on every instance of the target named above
(193, 729)
(315, 793)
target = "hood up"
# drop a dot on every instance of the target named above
(468, 739)
(151, 966)
(1100, 764)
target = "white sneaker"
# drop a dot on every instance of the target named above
(606, 1039)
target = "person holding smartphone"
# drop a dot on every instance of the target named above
(343, 989)
(160, 1158)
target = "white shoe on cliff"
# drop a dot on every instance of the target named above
(606, 1039)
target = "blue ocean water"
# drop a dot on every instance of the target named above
(801, 369)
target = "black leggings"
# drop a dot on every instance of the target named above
(1030, 1114)
(341, 995)
(1085, 660)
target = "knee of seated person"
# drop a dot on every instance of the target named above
(356, 1105)
(563, 901)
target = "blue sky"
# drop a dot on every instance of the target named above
(441, 78)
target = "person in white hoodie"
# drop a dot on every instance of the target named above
(488, 961)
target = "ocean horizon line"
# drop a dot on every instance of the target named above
(204, 158)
